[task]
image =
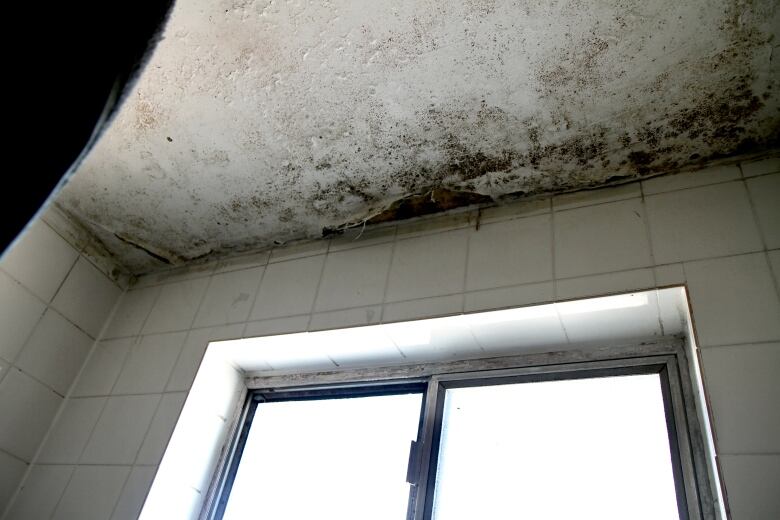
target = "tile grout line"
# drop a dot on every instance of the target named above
(554, 272)
(754, 214)
(316, 295)
(387, 276)
(59, 287)
(649, 236)
(254, 299)
(761, 233)
(2, 450)
(552, 253)
(464, 284)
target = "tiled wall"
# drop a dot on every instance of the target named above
(716, 230)
(53, 304)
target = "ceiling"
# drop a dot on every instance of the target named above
(260, 122)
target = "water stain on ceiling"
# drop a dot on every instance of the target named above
(259, 122)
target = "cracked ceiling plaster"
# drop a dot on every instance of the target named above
(267, 121)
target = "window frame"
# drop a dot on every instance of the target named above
(666, 357)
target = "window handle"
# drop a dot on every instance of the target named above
(414, 463)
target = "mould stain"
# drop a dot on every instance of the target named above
(433, 201)
(310, 118)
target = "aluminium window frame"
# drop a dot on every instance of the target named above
(666, 357)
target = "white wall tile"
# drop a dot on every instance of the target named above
(354, 278)
(614, 326)
(176, 275)
(679, 181)
(4, 367)
(346, 318)
(301, 250)
(774, 262)
(86, 297)
(103, 367)
(442, 340)
(538, 334)
(423, 308)
(131, 312)
(751, 485)
(504, 297)
(765, 195)
(753, 168)
(176, 306)
(55, 351)
(150, 363)
(27, 409)
(510, 253)
(229, 298)
(582, 198)
(247, 261)
(192, 354)
(41, 492)
(119, 432)
(359, 347)
(701, 223)
(40, 260)
(71, 432)
(277, 326)
(11, 473)
(288, 288)
(669, 274)
(599, 239)
(161, 429)
(19, 313)
(224, 383)
(733, 300)
(673, 313)
(361, 237)
(601, 284)
(744, 393)
(134, 493)
(427, 266)
(435, 224)
(516, 209)
(92, 493)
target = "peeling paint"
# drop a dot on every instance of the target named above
(261, 122)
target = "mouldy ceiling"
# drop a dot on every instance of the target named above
(271, 120)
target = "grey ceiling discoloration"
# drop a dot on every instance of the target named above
(262, 121)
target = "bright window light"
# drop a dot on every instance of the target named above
(607, 303)
(339, 459)
(558, 450)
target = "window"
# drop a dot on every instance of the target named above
(601, 388)
(331, 454)
(546, 436)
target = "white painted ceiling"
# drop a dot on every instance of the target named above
(268, 120)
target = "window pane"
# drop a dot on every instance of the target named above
(588, 448)
(336, 458)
